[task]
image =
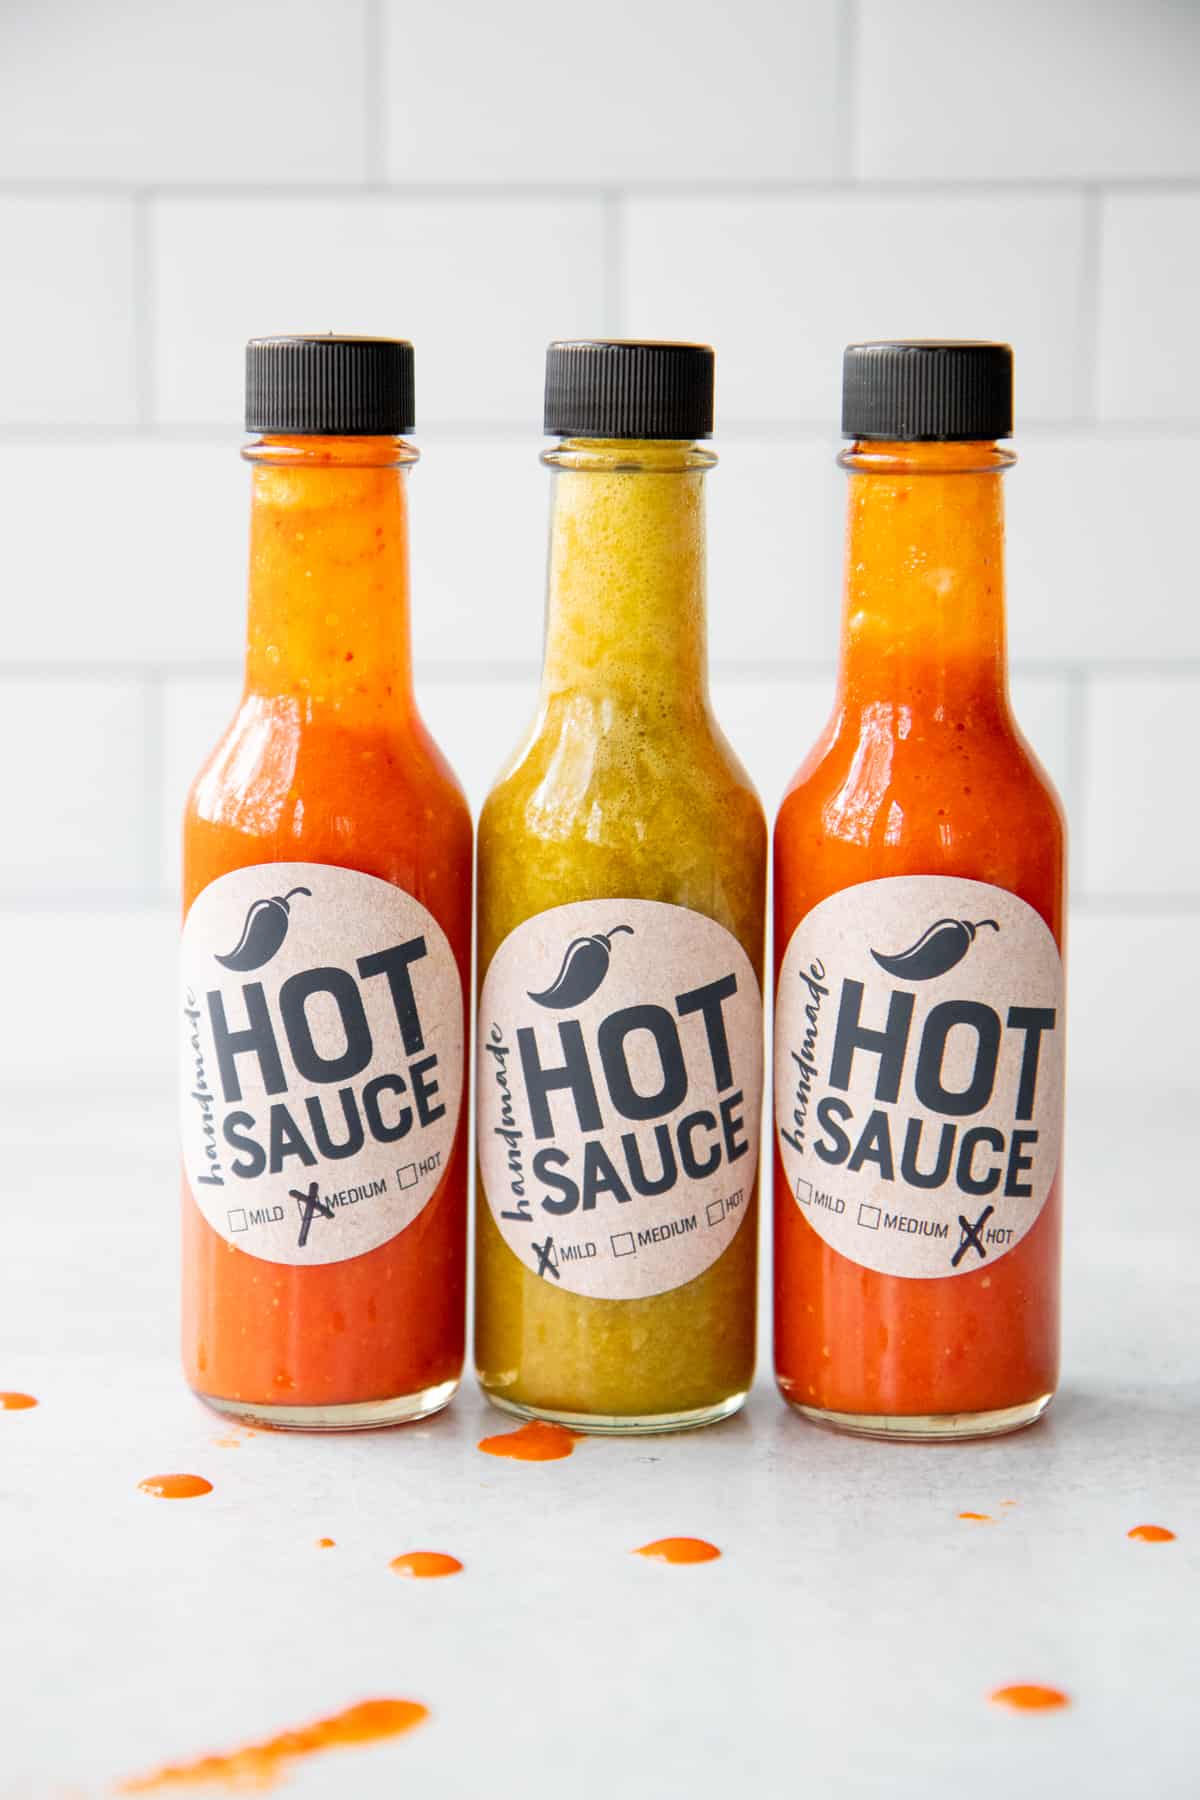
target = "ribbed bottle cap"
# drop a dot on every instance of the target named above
(604, 388)
(330, 386)
(927, 390)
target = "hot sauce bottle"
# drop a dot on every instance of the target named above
(621, 879)
(326, 945)
(919, 898)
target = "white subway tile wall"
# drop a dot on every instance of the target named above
(778, 177)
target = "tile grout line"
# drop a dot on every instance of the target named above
(1087, 363)
(701, 187)
(154, 746)
(845, 101)
(143, 313)
(614, 263)
(1078, 696)
(374, 147)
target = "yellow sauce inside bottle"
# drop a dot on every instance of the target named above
(625, 788)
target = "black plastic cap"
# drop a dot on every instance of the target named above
(330, 386)
(604, 388)
(927, 391)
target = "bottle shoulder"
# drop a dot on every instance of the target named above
(278, 785)
(942, 797)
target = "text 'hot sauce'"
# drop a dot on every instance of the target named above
(919, 900)
(326, 944)
(621, 885)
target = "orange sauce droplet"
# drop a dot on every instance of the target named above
(325, 1544)
(980, 1518)
(536, 1442)
(425, 1565)
(679, 1550)
(16, 1402)
(1030, 1697)
(176, 1487)
(1152, 1534)
(258, 1766)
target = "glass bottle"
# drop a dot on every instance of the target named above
(621, 878)
(326, 950)
(919, 914)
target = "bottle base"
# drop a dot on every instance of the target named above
(928, 1428)
(353, 1415)
(623, 1425)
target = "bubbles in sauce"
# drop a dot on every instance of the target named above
(16, 1402)
(536, 1442)
(176, 1487)
(1152, 1534)
(1030, 1696)
(257, 1767)
(679, 1550)
(425, 1565)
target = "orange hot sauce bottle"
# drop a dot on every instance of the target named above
(326, 945)
(919, 905)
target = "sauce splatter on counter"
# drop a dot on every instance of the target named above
(1151, 1534)
(979, 1518)
(176, 1487)
(679, 1550)
(16, 1402)
(1030, 1696)
(535, 1442)
(425, 1565)
(257, 1767)
(325, 1544)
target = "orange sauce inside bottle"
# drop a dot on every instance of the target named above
(538, 1441)
(328, 761)
(257, 1767)
(922, 770)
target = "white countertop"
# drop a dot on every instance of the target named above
(845, 1644)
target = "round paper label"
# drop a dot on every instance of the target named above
(919, 1072)
(620, 1082)
(321, 1019)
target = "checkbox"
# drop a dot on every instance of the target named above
(804, 1192)
(407, 1176)
(237, 1219)
(869, 1216)
(716, 1211)
(623, 1244)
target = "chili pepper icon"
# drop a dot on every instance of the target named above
(263, 933)
(583, 969)
(937, 950)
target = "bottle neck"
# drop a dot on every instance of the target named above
(626, 609)
(329, 612)
(923, 622)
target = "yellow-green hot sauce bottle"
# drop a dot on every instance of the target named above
(621, 890)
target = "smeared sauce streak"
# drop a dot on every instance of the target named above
(16, 1402)
(535, 1442)
(980, 1518)
(679, 1550)
(176, 1487)
(425, 1565)
(257, 1767)
(1152, 1534)
(1030, 1697)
